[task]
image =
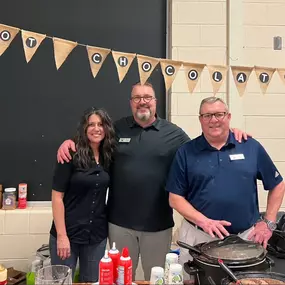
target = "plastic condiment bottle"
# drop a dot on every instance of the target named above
(125, 268)
(3, 275)
(22, 196)
(106, 270)
(115, 256)
(169, 259)
(157, 276)
(175, 274)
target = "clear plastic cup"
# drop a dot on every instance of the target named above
(54, 274)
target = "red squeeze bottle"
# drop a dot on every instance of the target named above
(115, 256)
(106, 270)
(125, 268)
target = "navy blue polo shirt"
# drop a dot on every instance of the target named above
(222, 184)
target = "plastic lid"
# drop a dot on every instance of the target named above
(10, 190)
(125, 252)
(106, 257)
(172, 257)
(157, 270)
(233, 248)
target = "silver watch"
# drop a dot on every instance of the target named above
(270, 224)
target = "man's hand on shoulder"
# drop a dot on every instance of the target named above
(240, 135)
(63, 153)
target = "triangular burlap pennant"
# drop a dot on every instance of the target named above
(96, 57)
(123, 62)
(218, 74)
(146, 65)
(169, 70)
(7, 34)
(62, 48)
(241, 75)
(31, 42)
(281, 72)
(264, 76)
(192, 73)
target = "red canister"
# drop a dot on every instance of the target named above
(22, 199)
(106, 270)
(125, 268)
(115, 256)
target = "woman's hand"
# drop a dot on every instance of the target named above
(63, 247)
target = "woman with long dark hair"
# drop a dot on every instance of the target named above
(80, 228)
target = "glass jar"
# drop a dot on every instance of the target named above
(9, 199)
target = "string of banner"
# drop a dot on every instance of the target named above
(146, 64)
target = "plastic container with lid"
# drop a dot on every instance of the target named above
(9, 199)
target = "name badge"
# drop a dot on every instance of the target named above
(236, 156)
(124, 140)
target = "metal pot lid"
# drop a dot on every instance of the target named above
(233, 248)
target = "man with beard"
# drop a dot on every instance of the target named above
(213, 183)
(139, 213)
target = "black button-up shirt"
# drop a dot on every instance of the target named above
(84, 202)
(137, 197)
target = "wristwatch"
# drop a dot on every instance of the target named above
(270, 224)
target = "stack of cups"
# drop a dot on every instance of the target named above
(157, 276)
(171, 258)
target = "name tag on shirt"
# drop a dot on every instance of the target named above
(236, 156)
(124, 140)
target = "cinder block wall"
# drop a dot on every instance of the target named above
(199, 34)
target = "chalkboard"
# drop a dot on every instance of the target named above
(40, 106)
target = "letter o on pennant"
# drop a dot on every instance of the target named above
(96, 58)
(193, 74)
(146, 66)
(169, 70)
(31, 42)
(5, 35)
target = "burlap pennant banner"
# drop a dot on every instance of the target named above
(264, 76)
(241, 75)
(218, 75)
(281, 72)
(146, 65)
(169, 69)
(192, 73)
(96, 57)
(62, 49)
(7, 34)
(123, 62)
(31, 42)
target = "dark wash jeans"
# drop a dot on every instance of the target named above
(89, 257)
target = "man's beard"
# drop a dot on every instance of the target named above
(143, 116)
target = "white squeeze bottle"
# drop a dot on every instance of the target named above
(175, 274)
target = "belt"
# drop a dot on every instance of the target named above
(199, 228)
(195, 226)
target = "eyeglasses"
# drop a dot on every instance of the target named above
(218, 116)
(146, 99)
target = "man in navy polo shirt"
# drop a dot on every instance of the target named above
(213, 183)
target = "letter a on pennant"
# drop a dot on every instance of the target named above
(62, 48)
(31, 42)
(241, 75)
(7, 34)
